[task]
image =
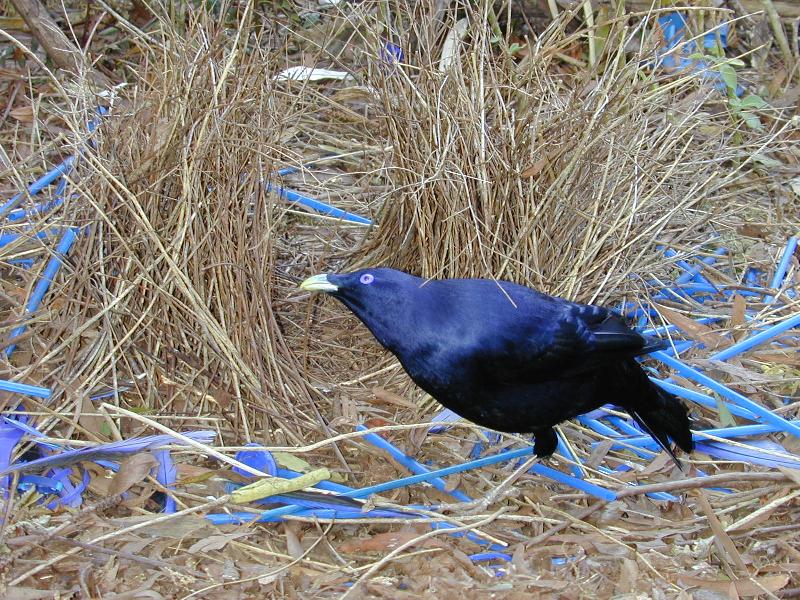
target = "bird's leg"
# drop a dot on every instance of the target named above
(495, 495)
(546, 442)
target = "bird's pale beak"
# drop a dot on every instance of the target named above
(318, 283)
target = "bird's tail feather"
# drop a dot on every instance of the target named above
(662, 415)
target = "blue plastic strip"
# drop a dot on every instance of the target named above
(7, 238)
(578, 484)
(41, 183)
(317, 206)
(735, 397)
(645, 441)
(23, 388)
(695, 272)
(50, 271)
(410, 464)
(758, 338)
(565, 451)
(783, 267)
(703, 399)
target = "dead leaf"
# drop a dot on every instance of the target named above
(720, 535)
(794, 474)
(92, 422)
(753, 230)
(187, 526)
(23, 114)
(697, 331)
(387, 541)
(293, 545)
(737, 312)
(628, 576)
(25, 593)
(391, 398)
(132, 470)
(215, 542)
(754, 586)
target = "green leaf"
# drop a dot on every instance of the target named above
(725, 417)
(295, 463)
(290, 461)
(753, 101)
(752, 121)
(728, 76)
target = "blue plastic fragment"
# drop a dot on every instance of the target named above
(166, 475)
(759, 338)
(783, 267)
(7, 238)
(444, 416)
(703, 399)
(23, 388)
(110, 450)
(565, 451)
(490, 556)
(735, 397)
(38, 185)
(70, 495)
(410, 464)
(673, 26)
(9, 438)
(578, 484)
(50, 271)
(317, 206)
(392, 53)
(259, 458)
(723, 451)
(645, 441)
(44, 485)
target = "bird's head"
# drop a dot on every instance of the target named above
(377, 296)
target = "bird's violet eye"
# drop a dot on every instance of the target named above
(367, 278)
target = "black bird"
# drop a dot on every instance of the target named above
(507, 357)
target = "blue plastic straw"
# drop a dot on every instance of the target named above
(645, 441)
(695, 272)
(578, 484)
(317, 206)
(7, 238)
(759, 338)
(50, 271)
(41, 183)
(23, 388)
(410, 464)
(565, 451)
(783, 266)
(487, 556)
(411, 480)
(735, 397)
(703, 399)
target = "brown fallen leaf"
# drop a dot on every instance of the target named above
(387, 541)
(23, 114)
(215, 542)
(25, 593)
(737, 312)
(697, 331)
(132, 470)
(754, 586)
(391, 398)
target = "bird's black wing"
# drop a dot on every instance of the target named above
(578, 337)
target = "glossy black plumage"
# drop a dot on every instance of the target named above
(507, 357)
